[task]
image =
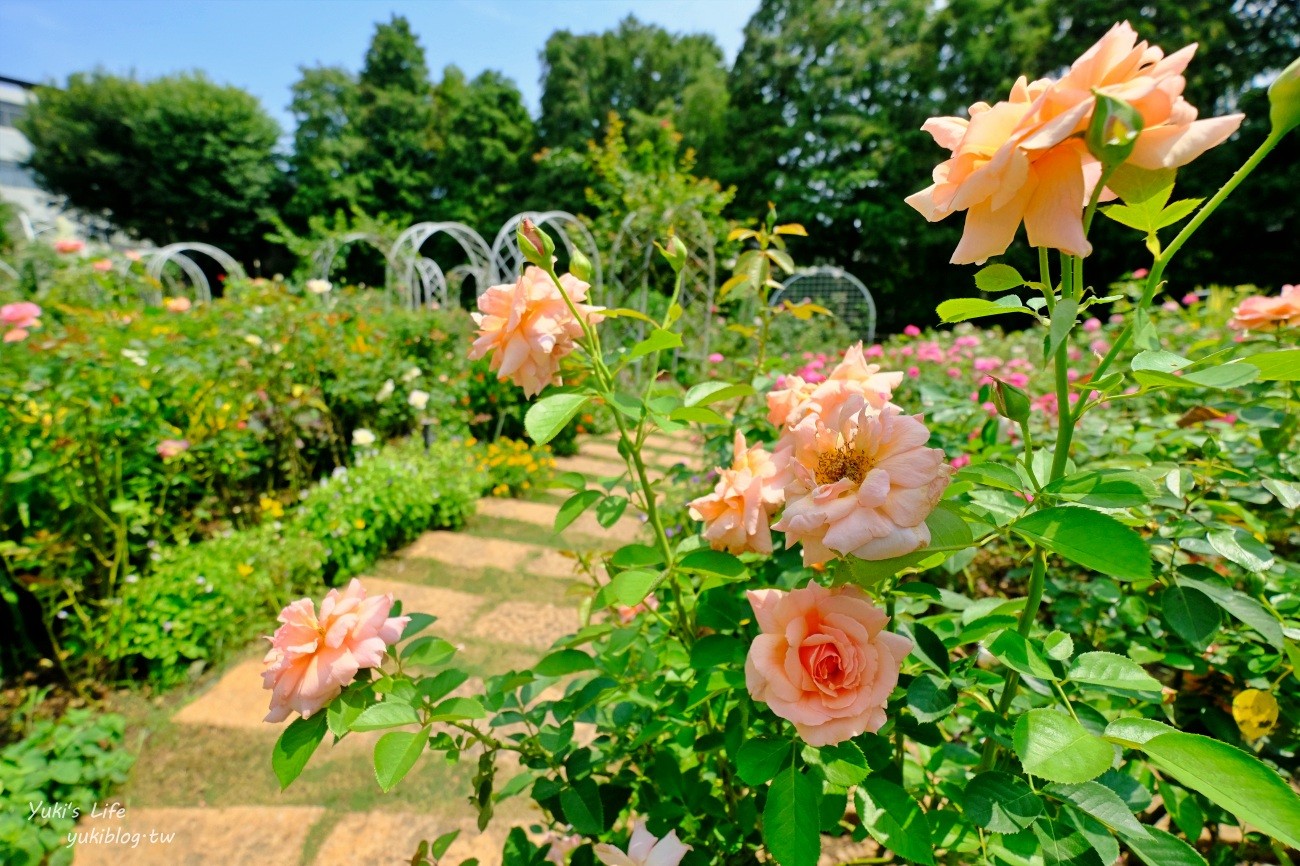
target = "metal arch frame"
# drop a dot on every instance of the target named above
(423, 284)
(329, 249)
(839, 274)
(7, 270)
(178, 252)
(191, 269)
(507, 261)
(701, 262)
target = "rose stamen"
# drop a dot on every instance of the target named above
(843, 462)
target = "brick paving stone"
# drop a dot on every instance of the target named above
(628, 528)
(233, 836)
(527, 624)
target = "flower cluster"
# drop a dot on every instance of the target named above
(1024, 159)
(737, 514)
(19, 318)
(528, 327)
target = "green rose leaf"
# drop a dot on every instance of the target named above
(1055, 747)
(998, 278)
(583, 807)
(563, 662)
(759, 759)
(844, 764)
(1190, 614)
(295, 747)
(658, 340)
(1283, 366)
(1111, 671)
(1090, 538)
(791, 819)
(962, 309)
(391, 713)
(396, 754)
(895, 820)
(1000, 802)
(573, 507)
(547, 417)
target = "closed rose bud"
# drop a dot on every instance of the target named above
(675, 252)
(1011, 402)
(580, 266)
(1114, 130)
(1284, 99)
(535, 244)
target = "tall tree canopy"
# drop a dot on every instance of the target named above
(323, 166)
(486, 143)
(176, 158)
(395, 125)
(635, 67)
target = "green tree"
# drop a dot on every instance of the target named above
(395, 126)
(636, 67)
(176, 158)
(486, 143)
(326, 147)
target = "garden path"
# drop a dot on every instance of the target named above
(504, 589)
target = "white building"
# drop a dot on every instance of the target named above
(17, 185)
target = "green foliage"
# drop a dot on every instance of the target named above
(264, 386)
(176, 158)
(201, 602)
(60, 769)
(636, 68)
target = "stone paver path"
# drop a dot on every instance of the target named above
(504, 591)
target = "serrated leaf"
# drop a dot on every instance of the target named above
(1057, 748)
(963, 309)
(395, 755)
(295, 746)
(844, 764)
(658, 340)
(759, 759)
(1190, 614)
(563, 662)
(1000, 802)
(549, 415)
(1282, 366)
(1090, 538)
(1111, 671)
(895, 820)
(386, 714)
(713, 392)
(791, 819)
(573, 507)
(998, 278)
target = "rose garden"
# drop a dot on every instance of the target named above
(614, 545)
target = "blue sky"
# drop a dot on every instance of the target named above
(259, 44)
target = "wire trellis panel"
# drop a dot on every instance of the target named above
(838, 291)
(423, 280)
(180, 254)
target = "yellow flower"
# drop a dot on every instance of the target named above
(244, 569)
(1255, 712)
(271, 507)
(359, 523)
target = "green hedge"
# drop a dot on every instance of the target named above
(203, 601)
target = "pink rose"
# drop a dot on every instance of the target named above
(644, 850)
(737, 513)
(177, 305)
(715, 358)
(1190, 299)
(23, 314)
(169, 448)
(912, 331)
(863, 483)
(823, 660)
(959, 461)
(313, 657)
(69, 245)
(1140, 273)
(103, 265)
(527, 328)
(133, 255)
(1092, 325)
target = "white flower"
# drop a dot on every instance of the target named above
(252, 339)
(419, 399)
(644, 850)
(362, 437)
(385, 392)
(413, 373)
(135, 356)
(319, 287)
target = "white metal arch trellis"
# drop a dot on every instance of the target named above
(837, 290)
(180, 254)
(508, 262)
(423, 279)
(323, 258)
(631, 268)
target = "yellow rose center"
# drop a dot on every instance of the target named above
(843, 462)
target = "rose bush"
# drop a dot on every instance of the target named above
(906, 684)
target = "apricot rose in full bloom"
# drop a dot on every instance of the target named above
(314, 656)
(823, 660)
(527, 327)
(737, 513)
(19, 318)
(852, 376)
(1263, 312)
(1024, 160)
(862, 483)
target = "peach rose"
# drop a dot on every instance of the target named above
(644, 850)
(851, 376)
(169, 448)
(177, 305)
(103, 265)
(1261, 312)
(313, 657)
(69, 245)
(863, 483)
(1022, 160)
(527, 328)
(823, 660)
(737, 513)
